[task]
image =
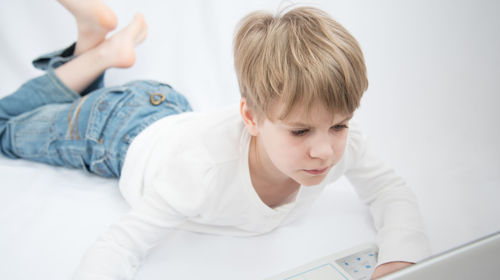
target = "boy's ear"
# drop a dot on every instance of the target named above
(249, 118)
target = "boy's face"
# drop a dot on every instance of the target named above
(303, 147)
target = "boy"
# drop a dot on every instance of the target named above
(237, 172)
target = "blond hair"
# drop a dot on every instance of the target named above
(301, 57)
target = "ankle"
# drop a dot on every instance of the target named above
(102, 56)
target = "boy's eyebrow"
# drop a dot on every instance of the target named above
(299, 124)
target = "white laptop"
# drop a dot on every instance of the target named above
(479, 259)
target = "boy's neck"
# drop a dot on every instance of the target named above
(273, 187)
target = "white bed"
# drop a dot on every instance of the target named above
(430, 111)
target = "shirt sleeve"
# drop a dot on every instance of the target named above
(118, 253)
(400, 231)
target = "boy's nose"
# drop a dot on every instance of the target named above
(321, 148)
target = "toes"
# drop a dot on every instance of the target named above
(138, 28)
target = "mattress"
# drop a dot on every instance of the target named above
(430, 112)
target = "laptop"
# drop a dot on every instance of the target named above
(479, 259)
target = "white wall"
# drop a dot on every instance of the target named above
(430, 109)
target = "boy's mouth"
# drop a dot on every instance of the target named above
(316, 171)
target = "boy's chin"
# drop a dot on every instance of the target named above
(313, 181)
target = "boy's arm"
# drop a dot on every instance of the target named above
(119, 252)
(400, 231)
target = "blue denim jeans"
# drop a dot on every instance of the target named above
(46, 121)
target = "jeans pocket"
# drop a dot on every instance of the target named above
(33, 132)
(103, 110)
(28, 142)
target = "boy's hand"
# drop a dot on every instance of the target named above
(389, 267)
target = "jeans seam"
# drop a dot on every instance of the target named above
(73, 125)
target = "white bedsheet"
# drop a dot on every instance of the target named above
(431, 111)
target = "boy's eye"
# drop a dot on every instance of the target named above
(339, 127)
(299, 132)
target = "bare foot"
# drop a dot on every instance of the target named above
(118, 49)
(115, 51)
(94, 20)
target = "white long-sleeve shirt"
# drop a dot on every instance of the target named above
(190, 171)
